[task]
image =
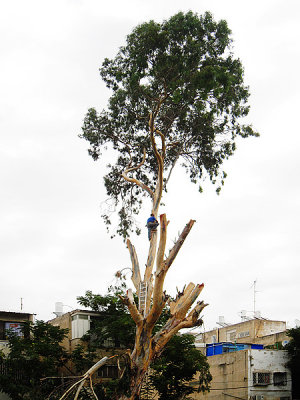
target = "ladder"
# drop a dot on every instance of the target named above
(142, 297)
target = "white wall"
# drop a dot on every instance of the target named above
(268, 361)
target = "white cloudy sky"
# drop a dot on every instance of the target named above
(53, 242)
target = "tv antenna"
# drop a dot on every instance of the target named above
(254, 296)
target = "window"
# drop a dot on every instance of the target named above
(108, 371)
(244, 334)
(279, 379)
(261, 378)
(230, 336)
(9, 325)
(80, 325)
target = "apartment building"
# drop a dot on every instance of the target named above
(248, 374)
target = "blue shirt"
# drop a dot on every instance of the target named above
(151, 219)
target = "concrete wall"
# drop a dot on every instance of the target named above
(269, 361)
(243, 332)
(230, 376)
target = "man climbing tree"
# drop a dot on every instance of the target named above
(152, 224)
(177, 96)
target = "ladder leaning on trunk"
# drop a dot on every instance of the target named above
(143, 297)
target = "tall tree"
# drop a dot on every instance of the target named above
(178, 96)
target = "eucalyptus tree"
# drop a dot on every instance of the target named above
(178, 97)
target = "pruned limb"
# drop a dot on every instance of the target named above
(134, 312)
(136, 275)
(183, 308)
(181, 297)
(179, 242)
(173, 325)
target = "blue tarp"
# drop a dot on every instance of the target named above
(220, 348)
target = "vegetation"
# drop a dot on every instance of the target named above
(35, 354)
(293, 348)
(180, 82)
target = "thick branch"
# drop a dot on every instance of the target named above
(174, 325)
(163, 143)
(179, 242)
(181, 297)
(162, 243)
(151, 256)
(136, 181)
(183, 308)
(160, 163)
(136, 275)
(134, 312)
(159, 300)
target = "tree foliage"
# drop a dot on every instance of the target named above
(293, 348)
(176, 368)
(114, 323)
(35, 354)
(183, 73)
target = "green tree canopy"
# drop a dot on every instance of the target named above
(293, 348)
(114, 322)
(35, 354)
(182, 74)
(177, 367)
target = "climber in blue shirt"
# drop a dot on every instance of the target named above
(152, 224)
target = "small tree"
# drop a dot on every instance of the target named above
(35, 354)
(178, 96)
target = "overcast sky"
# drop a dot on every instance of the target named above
(54, 244)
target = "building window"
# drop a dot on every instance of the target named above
(231, 336)
(80, 325)
(279, 379)
(261, 378)
(244, 334)
(9, 325)
(108, 371)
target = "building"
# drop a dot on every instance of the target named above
(241, 365)
(256, 330)
(78, 322)
(247, 373)
(11, 320)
